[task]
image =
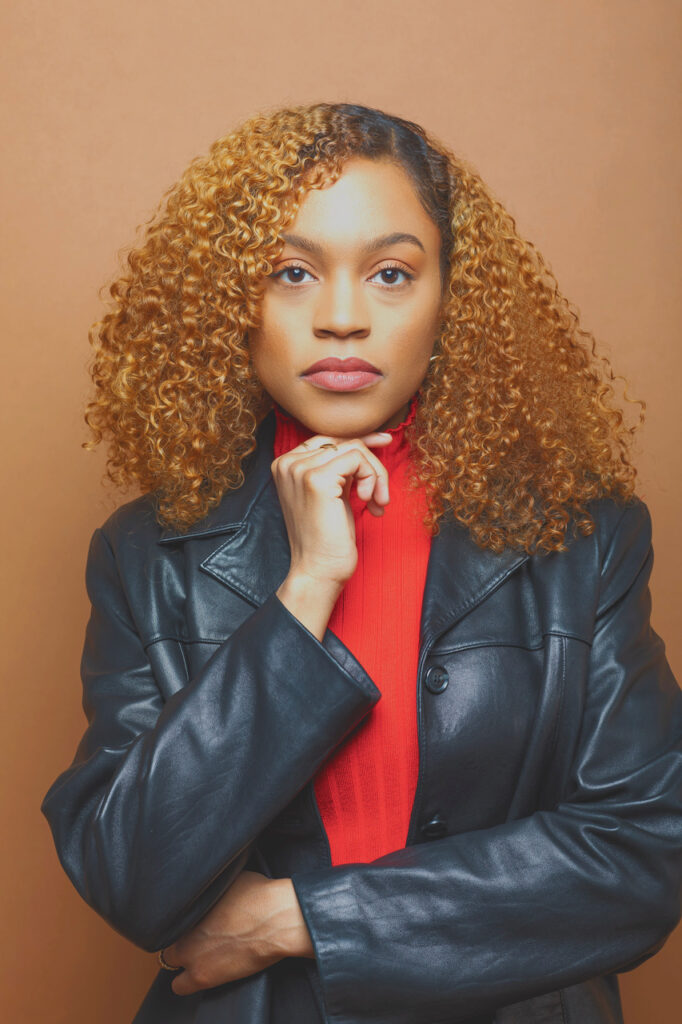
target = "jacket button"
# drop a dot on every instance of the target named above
(434, 828)
(436, 679)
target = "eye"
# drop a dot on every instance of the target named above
(392, 268)
(288, 269)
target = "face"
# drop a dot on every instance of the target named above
(342, 288)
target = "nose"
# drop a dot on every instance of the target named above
(341, 308)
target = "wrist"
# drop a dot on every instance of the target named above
(325, 588)
(309, 600)
(288, 933)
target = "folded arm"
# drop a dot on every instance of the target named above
(461, 925)
(154, 818)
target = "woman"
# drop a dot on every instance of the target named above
(448, 526)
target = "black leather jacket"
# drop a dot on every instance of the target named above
(544, 852)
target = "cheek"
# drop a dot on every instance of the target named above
(412, 348)
(271, 359)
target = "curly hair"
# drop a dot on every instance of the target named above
(516, 430)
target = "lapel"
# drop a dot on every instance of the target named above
(255, 557)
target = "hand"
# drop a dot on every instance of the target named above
(256, 923)
(313, 484)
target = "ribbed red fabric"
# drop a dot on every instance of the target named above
(365, 789)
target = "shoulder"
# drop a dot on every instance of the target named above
(127, 565)
(617, 523)
(624, 532)
(133, 525)
(622, 548)
(126, 544)
(572, 587)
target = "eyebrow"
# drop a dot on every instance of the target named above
(370, 246)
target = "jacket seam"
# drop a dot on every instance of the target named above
(568, 635)
(600, 612)
(564, 634)
(211, 531)
(460, 611)
(564, 1008)
(484, 643)
(182, 640)
(560, 708)
(184, 659)
(217, 641)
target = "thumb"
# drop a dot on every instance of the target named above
(182, 984)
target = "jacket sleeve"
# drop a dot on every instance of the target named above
(470, 922)
(155, 816)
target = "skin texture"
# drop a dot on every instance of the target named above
(517, 430)
(256, 923)
(341, 303)
(313, 485)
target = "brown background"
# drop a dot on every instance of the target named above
(570, 111)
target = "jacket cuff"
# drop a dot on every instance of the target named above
(340, 654)
(330, 911)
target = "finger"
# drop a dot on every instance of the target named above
(369, 473)
(326, 450)
(171, 956)
(322, 456)
(375, 508)
(376, 438)
(320, 444)
(368, 487)
(298, 461)
(371, 487)
(183, 985)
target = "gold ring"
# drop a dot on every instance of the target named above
(329, 445)
(164, 963)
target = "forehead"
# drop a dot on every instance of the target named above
(371, 198)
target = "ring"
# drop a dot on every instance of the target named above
(329, 445)
(166, 966)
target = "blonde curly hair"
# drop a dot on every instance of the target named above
(515, 430)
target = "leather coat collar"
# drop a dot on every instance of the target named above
(255, 557)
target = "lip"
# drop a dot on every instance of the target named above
(335, 380)
(341, 365)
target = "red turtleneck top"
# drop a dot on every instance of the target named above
(365, 789)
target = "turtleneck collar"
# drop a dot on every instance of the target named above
(290, 432)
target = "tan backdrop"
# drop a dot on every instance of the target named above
(569, 111)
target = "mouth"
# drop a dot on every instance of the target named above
(334, 374)
(342, 365)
